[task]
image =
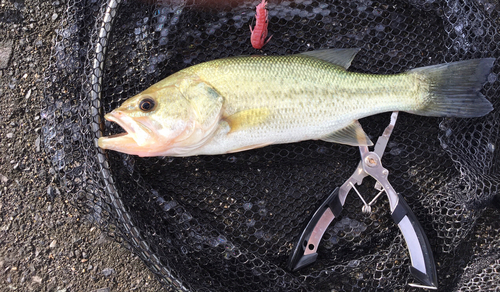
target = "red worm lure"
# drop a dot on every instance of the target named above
(259, 32)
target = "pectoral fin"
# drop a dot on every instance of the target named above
(247, 119)
(352, 135)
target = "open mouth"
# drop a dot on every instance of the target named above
(135, 134)
(122, 120)
(116, 135)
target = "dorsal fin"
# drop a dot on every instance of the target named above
(340, 57)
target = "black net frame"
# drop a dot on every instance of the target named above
(229, 222)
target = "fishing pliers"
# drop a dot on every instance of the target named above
(422, 267)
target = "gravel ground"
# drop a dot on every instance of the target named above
(45, 244)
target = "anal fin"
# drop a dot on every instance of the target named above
(352, 135)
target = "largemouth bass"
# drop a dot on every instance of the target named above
(240, 103)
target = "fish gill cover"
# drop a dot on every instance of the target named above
(229, 222)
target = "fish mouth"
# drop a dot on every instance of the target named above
(135, 137)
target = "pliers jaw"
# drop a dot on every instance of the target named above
(423, 267)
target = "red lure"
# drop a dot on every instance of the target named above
(259, 32)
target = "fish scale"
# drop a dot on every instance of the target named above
(330, 91)
(312, 105)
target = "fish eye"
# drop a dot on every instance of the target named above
(147, 104)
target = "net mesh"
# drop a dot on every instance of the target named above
(229, 222)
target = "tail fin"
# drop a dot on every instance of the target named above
(454, 89)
